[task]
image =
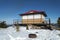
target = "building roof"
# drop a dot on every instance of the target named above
(34, 12)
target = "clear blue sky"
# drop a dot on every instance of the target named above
(9, 9)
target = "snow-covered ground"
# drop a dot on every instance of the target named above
(43, 34)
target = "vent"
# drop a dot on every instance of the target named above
(32, 35)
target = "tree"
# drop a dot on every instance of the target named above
(3, 24)
(58, 21)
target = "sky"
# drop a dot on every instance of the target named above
(10, 9)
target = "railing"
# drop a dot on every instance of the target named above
(46, 21)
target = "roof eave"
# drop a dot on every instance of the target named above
(35, 13)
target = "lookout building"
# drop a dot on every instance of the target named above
(33, 17)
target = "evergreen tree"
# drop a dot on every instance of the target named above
(3, 24)
(58, 21)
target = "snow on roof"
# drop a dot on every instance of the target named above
(34, 12)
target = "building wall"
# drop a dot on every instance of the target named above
(31, 19)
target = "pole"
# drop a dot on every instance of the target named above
(50, 24)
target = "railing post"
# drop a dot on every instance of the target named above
(49, 22)
(16, 23)
(17, 26)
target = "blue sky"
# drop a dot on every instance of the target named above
(10, 9)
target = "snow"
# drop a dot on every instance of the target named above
(42, 34)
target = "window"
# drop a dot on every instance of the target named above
(24, 17)
(36, 16)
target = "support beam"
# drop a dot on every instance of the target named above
(27, 27)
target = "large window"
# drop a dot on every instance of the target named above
(37, 16)
(24, 17)
(30, 16)
(43, 17)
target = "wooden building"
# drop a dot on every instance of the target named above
(33, 17)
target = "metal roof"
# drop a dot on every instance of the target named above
(34, 12)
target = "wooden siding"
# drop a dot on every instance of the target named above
(32, 21)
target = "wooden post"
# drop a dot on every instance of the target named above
(27, 27)
(41, 18)
(50, 24)
(27, 23)
(17, 26)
